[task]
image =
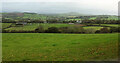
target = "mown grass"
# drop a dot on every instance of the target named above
(59, 47)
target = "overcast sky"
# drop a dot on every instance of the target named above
(62, 6)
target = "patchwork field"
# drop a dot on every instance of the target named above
(58, 32)
(56, 25)
(59, 47)
(33, 26)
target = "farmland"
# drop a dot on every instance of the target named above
(56, 25)
(59, 47)
(112, 25)
(33, 26)
(93, 27)
(59, 37)
(4, 25)
(59, 18)
(28, 27)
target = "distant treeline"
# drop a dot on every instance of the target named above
(63, 21)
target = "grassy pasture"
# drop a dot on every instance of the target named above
(113, 18)
(28, 27)
(112, 25)
(56, 25)
(93, 18)
(93, 27)
(59, 47)
(4, 25)
(33, 26)
(34, 16)
(72, 19)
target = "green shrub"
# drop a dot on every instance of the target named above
(52, 30)
(90, 30)
(98, 31)
(72, 29)
(115, 29)
(105, 30)
(63, 29)
(40, 29)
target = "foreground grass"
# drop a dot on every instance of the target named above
(59, 47)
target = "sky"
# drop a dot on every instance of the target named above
(99, 7)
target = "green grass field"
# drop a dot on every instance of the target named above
(34, 16)
(33, 26)
(59, 47)
(27, 27)
(93, 27)
(4, 25)
(112, 25)
(46, 26)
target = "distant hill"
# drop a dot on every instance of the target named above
(72, 14)
(68, 14)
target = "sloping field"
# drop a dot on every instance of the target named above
(5, 25)
(59, 47)
(28, 27)
(33, 26)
